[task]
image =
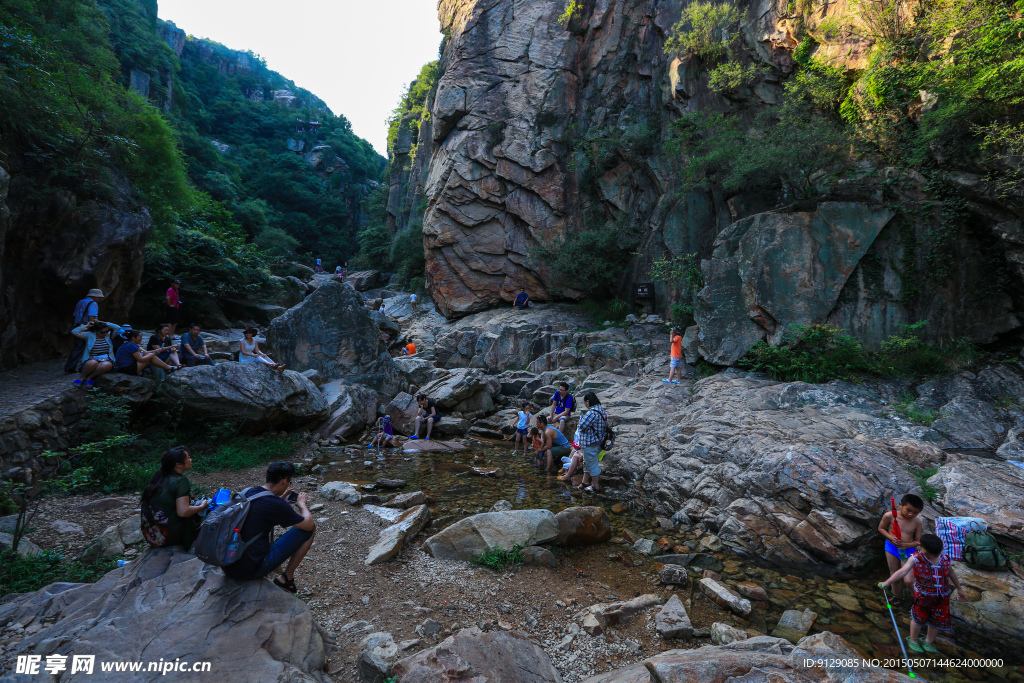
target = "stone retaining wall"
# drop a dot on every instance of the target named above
(51, 424)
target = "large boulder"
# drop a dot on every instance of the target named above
(463, 389)
(774, 271)
(472, 655)
(251, 311)
(507, 338)
(994, 605)
(419, 371)
(57, 246)
(169, 605)
(798, 473)
(583, 526)
(291, 291)
(402, 410)
(364, 280)
(761, 658)
(332, 332)
(252, 392)
(472, 535)
(352, 407)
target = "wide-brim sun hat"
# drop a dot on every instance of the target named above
(98, 293)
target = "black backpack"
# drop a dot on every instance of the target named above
(609, 439)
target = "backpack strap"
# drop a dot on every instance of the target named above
(262, 494)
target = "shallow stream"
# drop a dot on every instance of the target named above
(463, 483)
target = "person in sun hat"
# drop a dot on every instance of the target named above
(86, 311)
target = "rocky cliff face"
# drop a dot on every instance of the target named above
(52, 251)
(539, 130)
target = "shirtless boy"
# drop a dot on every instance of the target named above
(911, 529)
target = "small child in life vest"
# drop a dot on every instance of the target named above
(933, 573)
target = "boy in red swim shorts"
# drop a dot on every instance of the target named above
(933, 572)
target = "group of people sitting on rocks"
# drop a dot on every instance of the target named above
(170, 518)
(101, 347)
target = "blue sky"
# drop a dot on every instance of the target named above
(356, 55)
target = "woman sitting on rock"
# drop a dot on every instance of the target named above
(249, 351)
(98, 357)
(132, 360)
(168, 517)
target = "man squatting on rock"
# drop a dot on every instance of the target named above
(261, 556)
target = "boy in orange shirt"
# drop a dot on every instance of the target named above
(676, 359)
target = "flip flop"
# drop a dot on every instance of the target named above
(665, 381)
(413, 438)
(77, 382)
(590, 489)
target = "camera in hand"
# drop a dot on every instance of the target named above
(292, 497)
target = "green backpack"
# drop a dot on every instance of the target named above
(982, 552)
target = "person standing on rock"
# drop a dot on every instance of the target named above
(261, 556)
(319, 266)
(173, 313)
(168, 516)
(933, 572)
(412, 302)
(898, 549)
(522, 425)
(427, 413)
(675, 360)
(86, 311)
(555, 445)
(562, 405)
(589, 436)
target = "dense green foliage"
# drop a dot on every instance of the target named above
(206, 148)
(923, 98)
(65, 119)
(20, 574)
(820, 353)
(129, 462)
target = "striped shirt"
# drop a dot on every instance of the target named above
(101, 347)
(592, 427)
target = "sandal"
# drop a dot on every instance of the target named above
(914, 646)
(287, 584)
(929, 647)
(590, 489)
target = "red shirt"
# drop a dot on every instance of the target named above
(172, 297)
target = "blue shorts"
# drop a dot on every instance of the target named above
(591, 460)
(675, 362)
(521, 430)
(280, 550)
(895, 552)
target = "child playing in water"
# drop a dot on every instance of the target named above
(536, 441)
(911, 528)
(933, 572)
(521, 426)
(385, 434)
